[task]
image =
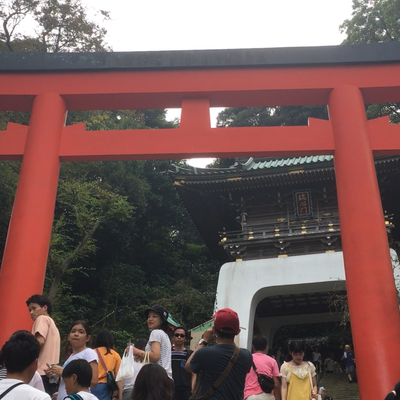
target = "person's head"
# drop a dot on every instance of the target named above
(105, 339)
(347, 347)
(157, 317)
(180, 334)
(77, 374)
(141, 345)
(79, 335)
(296, 350)
(39, 305)
(152, 383)
(226, 324)
(260, 343)
(20, 353)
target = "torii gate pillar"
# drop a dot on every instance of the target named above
(25, 256)
(371, 291)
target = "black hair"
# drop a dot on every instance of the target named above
(42, 301)
(160, 310)
(182, 328)
(20, 351)
(141, 345)
(259, 342)
(82, 369)
(105, 339)
(86, 327)
(225, 335)
(296, 347)
(164, 326)
(153, 383)
(83, 323)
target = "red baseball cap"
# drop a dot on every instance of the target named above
(227, 321)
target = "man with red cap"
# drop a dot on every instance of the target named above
(213, 360)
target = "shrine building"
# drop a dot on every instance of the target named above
(274, 226)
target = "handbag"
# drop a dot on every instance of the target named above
(127, 367)
(266, 382)
(319, 397)
(146, 359)
(218, 382)
(109, 375)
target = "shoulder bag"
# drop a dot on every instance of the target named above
(222, 377)
(10, 388)
(319, 397)
(110, 377)
(266, 382)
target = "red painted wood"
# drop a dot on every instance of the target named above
(195, 140)
(25, 255)
(370, 285)
(246, 87)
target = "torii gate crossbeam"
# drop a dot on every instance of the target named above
(342, 77)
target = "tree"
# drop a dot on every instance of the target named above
(81, 208)
(270, 116)
(121, 240)
(375, 21)
(61, 25)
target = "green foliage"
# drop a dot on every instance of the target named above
(372, 21)
(270, 116)
(61, 25)
(121, 238)
(9, 171)
(375, 21)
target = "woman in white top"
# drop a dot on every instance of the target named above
(79, 336)
(159, 345)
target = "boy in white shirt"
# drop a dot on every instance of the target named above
(20, 357)
(77, 376)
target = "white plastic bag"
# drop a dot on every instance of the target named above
(126, 369)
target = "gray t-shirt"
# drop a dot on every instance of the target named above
(158, 335)
(212, 360)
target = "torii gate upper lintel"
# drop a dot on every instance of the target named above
(342, 77)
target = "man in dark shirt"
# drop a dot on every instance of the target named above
(179, 356)
(213, 360)
(349, 361)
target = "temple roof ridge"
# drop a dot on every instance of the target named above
(252, 164)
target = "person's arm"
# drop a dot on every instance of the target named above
(53, 370)
(95, 376)
(118, 393)
(208, 337)
(283, 388)
(277, 388)
(314, 393)
(40, 339)
(155, 348)
(40, 329)
(194, 378)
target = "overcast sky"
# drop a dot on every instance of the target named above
(151, 25)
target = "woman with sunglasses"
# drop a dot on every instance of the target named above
(184, 381)
(159, 345)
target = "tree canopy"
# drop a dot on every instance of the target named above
(373, 21)
(122, 239)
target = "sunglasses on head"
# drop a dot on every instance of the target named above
(182, 335)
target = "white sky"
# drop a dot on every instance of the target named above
(151, 25)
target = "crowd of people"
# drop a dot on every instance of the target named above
(217, 369)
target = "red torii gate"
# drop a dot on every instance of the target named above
(343, 77)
